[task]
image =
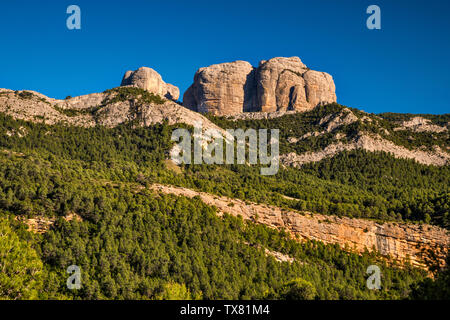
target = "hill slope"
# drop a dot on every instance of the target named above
(92, 157)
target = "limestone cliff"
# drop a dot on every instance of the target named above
(401, 242)
(278, 84)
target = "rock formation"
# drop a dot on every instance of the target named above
(226, 88)
(95, 109)
(150, 80)
(279, 84)
(401, 242)
(371, 143)
(419, 124)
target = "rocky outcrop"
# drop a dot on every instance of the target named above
(279, 84)
(372, 143)
(287, 84)
(419, 124)
(259, 115)
(150, 80)
(334, 121)
(401, 242)
(42, 224)
(94, 109)
(221, 89)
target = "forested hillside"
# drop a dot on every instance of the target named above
(318, 128)
(348, 184)
(132, 243)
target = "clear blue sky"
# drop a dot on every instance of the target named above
(404, 67)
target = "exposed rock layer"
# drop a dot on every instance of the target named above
(401, 242)
(419, 124)
(370, 143)
(278, 84)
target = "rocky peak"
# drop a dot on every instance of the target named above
(150, 80)
(226, 88)
(278, 84)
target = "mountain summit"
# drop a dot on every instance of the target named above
(278, 84)
(150, 80)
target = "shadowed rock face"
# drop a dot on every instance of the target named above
(150, 80)
(222, 89)
(278, 84)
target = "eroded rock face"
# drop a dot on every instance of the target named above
(419, 124)
(150, 80)
(222, 89)
(279, 84)
(402, 242)
(371, 143)
(320, 88)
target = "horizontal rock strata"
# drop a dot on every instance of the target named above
(401, 242)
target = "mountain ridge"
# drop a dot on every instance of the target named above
(307, 136)
(134, 242)
(130, 103)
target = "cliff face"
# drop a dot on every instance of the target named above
(402, 242)
(226, 88)
(278, 84)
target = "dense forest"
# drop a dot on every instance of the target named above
(131, 243)
(349, 184)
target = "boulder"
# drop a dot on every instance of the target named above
(150, 80)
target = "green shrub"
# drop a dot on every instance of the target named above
(121, 94)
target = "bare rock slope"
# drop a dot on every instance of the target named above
(144, 97)
(365, 140)
(419, 124)
(372, 143)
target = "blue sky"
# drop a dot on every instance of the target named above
(404, 67)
